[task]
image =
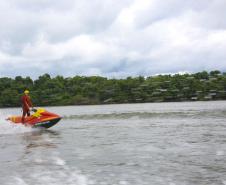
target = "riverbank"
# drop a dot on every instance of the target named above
(80, 90)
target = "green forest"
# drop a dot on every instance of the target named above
(82, 90)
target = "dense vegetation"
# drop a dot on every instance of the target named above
(98, 90)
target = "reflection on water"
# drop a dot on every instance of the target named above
(41, 139)
(41, 134)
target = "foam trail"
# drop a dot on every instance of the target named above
(57, 173)
(6, 127)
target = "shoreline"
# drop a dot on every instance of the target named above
(223, 100)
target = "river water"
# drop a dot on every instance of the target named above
(130, 144)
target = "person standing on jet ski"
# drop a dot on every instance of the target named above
(26, 104)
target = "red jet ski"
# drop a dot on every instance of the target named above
(39, 119)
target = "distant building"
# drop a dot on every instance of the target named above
(156, 93)
(194, 98)
(212, 94)
(208, 97)
(175, 90)
(108, 100)
(213, 90)
(163, 90)
(198, 92)
(212, 79)
(167, 81)
(190, 77)
(186, 88)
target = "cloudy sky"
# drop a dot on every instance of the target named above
(113, 38)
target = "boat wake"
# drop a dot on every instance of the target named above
(8, 128)
(44, 164)
(59, 176)
(148, 115)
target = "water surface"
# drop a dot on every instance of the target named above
(130, 144)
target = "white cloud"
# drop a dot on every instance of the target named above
(112, 38)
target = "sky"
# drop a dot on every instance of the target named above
(112, 38)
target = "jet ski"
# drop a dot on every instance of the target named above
(39, 119)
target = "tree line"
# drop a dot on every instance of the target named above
(82, 90)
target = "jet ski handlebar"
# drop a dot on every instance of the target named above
(34, 110)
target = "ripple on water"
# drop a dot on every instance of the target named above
(58, 173)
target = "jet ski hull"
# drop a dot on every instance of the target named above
(40, 119)
(46, 124)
